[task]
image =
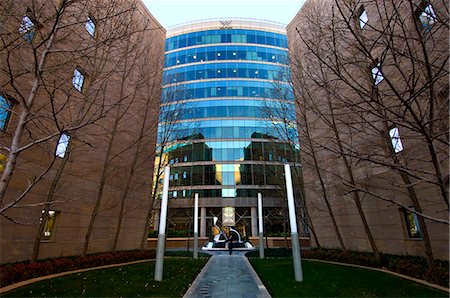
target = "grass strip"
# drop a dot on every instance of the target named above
(126, 281)
(329, 280)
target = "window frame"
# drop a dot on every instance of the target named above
(362, 11)
(377, 75)
(52, 230)
(406, 220)
(88, 26)
(58, 153)
(396, 147)
(8, 113)
(421, 10)
(75, 84)
(27, 31)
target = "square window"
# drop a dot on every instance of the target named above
(50, 224)
(412, 224)
(78, 79)
(5, 112)
(377, 75)
(362, 16)
(90, 26)
(427, 16)
(27, 29)
(396, 142)
(63, 143)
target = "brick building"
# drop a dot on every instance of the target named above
(80, 90)
(371, 87)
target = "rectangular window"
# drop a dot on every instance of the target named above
(63, 143)
(90, 26)
(27, 29)
(396, 142)
(5, 112)
(426, 16)
(377, 75)
(362, 17)
(50, 225)
(412, 225)
(78, 79)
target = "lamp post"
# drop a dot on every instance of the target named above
(159, 264)
(196, 226)
(298, 273)
(261, 231)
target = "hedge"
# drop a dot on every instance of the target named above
(15, 272)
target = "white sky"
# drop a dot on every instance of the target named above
(173, 12)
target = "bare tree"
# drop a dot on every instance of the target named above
(170, 113)
(361, 79)
(58, 60)
(41, 48)
(131, 81)
(151, 85)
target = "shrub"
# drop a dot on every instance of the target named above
(12, 273)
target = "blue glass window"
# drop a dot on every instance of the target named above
(226, 53)
(5, 112)
(226, 36)
(224, 70)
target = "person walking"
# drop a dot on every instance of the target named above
(230, 243)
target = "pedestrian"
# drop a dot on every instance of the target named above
(230, 243)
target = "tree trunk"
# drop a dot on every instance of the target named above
(102, 183)
(351, 177)
(15, 144)
(49, 200)
(324, 191)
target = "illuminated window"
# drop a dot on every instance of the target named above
(362, 16)
(377, 75)
(5, 112)
(63, 143)
(426, 16)
(50, 224)
(229, 193)
(412, 224)
(396, 142)
(27, 29)
(90, 26)
(78, 79)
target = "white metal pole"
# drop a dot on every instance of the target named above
(196, 226)
(162, 228)
(298, 272)
(261, 227)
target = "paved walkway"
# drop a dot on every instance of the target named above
(227, 276)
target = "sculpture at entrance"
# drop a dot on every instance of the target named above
(221, 238)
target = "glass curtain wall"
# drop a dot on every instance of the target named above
(227, 122)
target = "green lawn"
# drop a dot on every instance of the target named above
(126, 281)
(328, 280)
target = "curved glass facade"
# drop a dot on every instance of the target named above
(231, 111)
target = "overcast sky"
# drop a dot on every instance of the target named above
(173, 12)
